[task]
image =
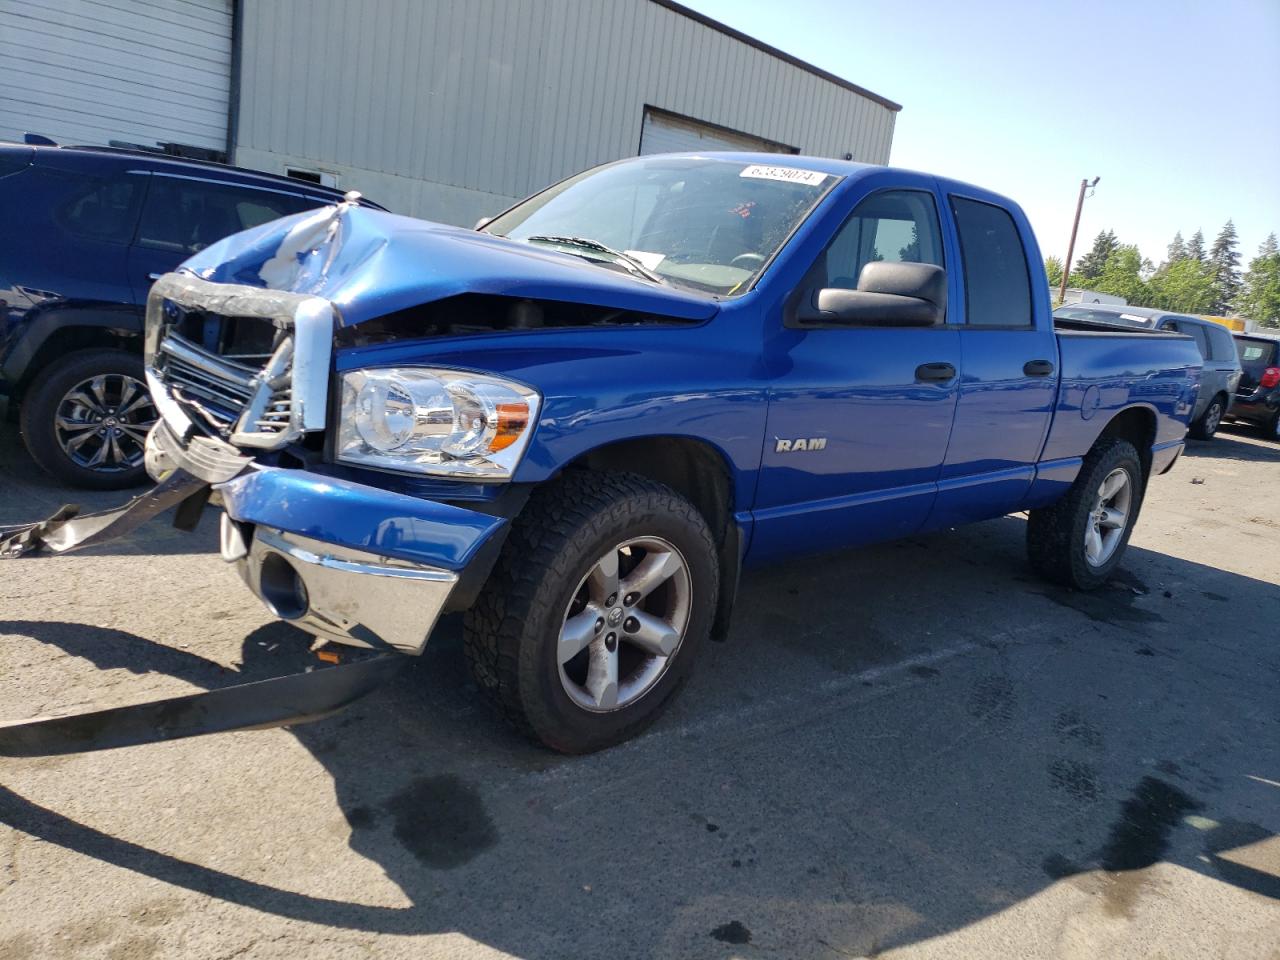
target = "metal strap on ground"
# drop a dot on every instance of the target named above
(66, 531)
(297, 698)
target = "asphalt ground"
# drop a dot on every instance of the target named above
(912, 750)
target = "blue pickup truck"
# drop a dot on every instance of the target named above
(581, 421)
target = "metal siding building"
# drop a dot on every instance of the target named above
(90, 71)
(451, 110)
(445, 109)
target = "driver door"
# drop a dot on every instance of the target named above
(858, 423)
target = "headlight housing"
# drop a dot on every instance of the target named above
(442, 422)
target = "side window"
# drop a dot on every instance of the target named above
(997, 283)
(896, 226)
(1220, 342)
(185, 216)
(1197, 333)
(103, 209)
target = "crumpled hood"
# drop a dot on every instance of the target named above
(370, 263)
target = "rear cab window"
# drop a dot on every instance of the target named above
(997, 281)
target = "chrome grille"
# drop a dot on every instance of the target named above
(251, 398)
(222, 387)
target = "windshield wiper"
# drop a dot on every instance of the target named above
(627, 261)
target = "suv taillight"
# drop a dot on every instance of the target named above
(1270, 377)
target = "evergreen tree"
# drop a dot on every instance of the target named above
(1185, 286)
(1177, 249)
(1090, 266)
(1224, 261)
(1053, 269)
(1122, 275)
(1195, 248)
(1259, 298)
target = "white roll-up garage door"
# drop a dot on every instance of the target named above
(91, 71)
(665, 132)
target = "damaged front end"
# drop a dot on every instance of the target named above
(240, 372)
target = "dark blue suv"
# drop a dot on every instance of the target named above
(86, 231)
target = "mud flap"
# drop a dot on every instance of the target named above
(66, 530)
(297, 698)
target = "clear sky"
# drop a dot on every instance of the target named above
(1175, 104)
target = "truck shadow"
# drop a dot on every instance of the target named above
(981, 738)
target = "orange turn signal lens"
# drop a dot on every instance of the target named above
(513, 420)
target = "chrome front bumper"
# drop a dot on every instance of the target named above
(348, 596)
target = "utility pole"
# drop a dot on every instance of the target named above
(1075, 225)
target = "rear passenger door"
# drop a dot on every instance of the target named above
(182, 215)
(1008, 364)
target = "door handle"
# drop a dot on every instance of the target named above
(1037, 368)
(935, 372)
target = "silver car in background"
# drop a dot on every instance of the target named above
(1221, 372)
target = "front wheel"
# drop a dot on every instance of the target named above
(85, 419)
(592, 616)
(1080, 539)
(1210, 420)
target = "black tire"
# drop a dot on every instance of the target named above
(40, 408)
(1207, 425)
(1056, 534)
(1271, 429)
(512, 630)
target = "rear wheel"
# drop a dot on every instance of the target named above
(593, 614)
(1271, 429)
(85, 419)
(1080, 539)
(1210, 420)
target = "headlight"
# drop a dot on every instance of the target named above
(443, 422)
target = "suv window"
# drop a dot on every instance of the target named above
(997, 283)
(895, 226)
(186, 216)
(1260, 352)
(1192, 329)
(103, 209)
(1220, 342)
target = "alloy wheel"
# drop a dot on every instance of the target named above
(624, 624)
(1109, 518)
(101, 423)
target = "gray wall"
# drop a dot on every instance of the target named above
(452, 109)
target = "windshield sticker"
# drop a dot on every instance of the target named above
(760, 171)
(649, 260)
(1129, 316)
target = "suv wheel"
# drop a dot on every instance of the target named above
(85, 419)
(1210, 420)
(1080, 539)
(593, 614)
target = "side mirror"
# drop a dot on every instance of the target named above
(482, 223)
(888, 295)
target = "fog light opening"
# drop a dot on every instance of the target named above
(282, 588)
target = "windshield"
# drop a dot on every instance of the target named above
(702, 223)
